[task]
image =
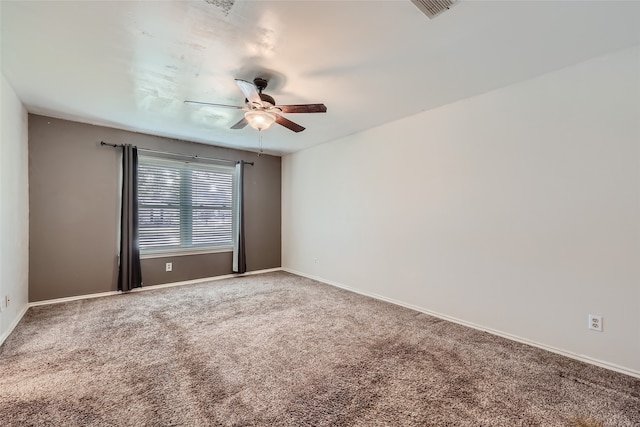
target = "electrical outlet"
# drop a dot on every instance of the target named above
(595, 322)
(168, 266)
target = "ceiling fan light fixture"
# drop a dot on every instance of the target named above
(259, 119)
(261, 110)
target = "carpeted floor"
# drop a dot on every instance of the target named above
(281, 350)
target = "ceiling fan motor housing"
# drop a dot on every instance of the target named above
(267, 98)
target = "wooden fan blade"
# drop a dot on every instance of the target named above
(209, 104)
(303, 108)
(250, 91)
(242, 123)
(288, 123)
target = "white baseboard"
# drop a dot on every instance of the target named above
(152, 287)
(73, 298)
(571, 355)
(15, 322)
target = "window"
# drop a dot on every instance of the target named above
(184, 206)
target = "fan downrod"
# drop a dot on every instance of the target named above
(260, 83)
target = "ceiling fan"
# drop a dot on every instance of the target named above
(261, 110)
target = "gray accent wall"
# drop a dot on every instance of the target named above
(74, 186)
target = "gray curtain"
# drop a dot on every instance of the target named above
(129, 274)
(239, 259)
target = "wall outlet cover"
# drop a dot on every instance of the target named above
(595, 322)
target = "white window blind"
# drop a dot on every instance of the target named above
(184, 205)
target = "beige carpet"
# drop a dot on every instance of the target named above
(280, 350)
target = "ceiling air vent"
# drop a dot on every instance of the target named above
(433, 8)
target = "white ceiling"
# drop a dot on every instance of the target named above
(131, 64)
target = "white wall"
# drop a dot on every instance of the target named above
(14, 210)
(517, 210)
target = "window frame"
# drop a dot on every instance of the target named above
(185, 215)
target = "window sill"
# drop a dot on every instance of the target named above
(183, 252)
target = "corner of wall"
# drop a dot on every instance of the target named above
(14, 211)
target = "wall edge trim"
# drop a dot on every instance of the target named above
(569, 354)
(15, 322)
(150, 288)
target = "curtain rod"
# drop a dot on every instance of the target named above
(190, 156)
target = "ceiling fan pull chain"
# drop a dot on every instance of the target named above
(260, 142)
